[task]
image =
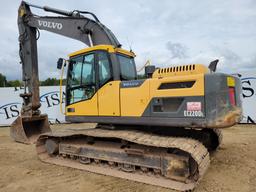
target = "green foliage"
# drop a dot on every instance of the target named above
(15, 83)
(3, 81)
(52, 82)
(49, 82)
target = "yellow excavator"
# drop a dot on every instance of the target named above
(158, 130)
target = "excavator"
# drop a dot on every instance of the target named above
(159, 130)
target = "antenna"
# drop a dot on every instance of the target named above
(148, 62)
(129, 43)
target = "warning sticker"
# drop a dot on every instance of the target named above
(194, 106)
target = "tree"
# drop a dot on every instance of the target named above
(3, 82)
(14, 83)
(50, 82)
(17, 83)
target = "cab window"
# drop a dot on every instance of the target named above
(105, 73)
(76, 71)
(127, 67)
(88, 70)
(81, 79)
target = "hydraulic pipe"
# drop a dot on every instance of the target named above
(50, 9)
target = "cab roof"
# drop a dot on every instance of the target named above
(108, 48)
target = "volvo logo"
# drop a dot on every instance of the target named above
(49, 24)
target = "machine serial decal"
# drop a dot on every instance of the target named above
(193, 113)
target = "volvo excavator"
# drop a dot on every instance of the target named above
(158, 130)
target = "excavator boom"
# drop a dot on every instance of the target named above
(73, 25)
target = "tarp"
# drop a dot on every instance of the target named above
(10, 104)
(249, 96)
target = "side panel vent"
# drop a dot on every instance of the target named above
(167, 104)
(177, 69)
(181, 70)
(177, 85)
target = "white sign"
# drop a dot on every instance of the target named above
(249, 96)
(10, 104)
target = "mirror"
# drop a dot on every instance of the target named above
(60, 63)
(149, 70)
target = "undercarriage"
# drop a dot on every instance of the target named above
(150, 157)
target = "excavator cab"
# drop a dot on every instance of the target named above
(92, 68)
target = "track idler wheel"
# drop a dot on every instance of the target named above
(52, 146)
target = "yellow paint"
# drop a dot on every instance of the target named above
(22, 12)
(108, 48)
(61, 93)
(231, 81)
(181, 70)
(134, 100)
(111, 100)
(86, 107)
(108, 99)
(125, 52)
(196, 90)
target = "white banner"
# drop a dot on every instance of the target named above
(249, 96)
(11, 102)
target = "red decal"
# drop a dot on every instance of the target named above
(194, 106)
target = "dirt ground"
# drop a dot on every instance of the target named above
(233, 168)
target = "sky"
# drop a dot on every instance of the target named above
(166, 32)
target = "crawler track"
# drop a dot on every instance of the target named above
(171, 162)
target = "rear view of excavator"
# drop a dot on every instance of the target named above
(158, 130)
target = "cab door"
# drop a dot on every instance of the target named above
(109, 90)
(82, 98)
